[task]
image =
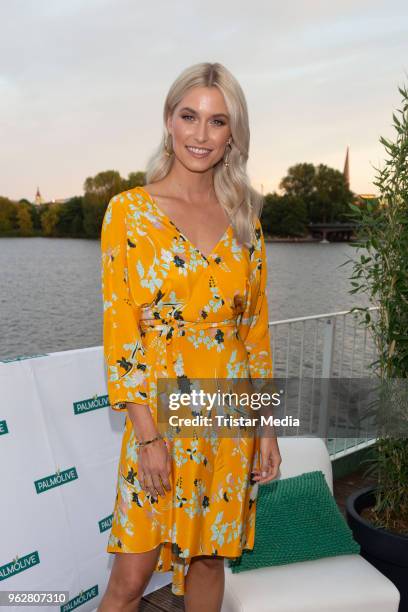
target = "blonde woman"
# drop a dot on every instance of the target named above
(184, 286)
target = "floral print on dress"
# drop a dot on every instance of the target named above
(169, 311)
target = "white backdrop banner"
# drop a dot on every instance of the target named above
(59, 453)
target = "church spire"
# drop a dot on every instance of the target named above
(38, 198)
(346, 171)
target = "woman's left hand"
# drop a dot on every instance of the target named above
(270, 461)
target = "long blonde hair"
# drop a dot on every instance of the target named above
(234, 192)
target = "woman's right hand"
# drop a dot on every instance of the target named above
(155, 468)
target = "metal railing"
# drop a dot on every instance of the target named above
(326, 346)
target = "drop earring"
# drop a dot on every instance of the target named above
(168, 151)
(227, 153)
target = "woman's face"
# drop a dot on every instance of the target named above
(200, 128)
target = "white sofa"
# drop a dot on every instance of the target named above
(347, 583)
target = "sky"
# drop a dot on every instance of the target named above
(83, 82)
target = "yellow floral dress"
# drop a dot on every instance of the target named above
(171, 311)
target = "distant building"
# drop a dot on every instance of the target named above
(367, 196)
(346, 170)
(59, 201)
(360, 197)
(38, 198)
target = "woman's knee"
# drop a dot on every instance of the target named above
(206, 562)
(130, 574)
(126, 588)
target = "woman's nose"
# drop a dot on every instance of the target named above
(201, 134)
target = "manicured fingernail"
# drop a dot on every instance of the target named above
(263, 474)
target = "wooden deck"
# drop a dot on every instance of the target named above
(164, 600)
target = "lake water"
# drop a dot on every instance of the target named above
(50, 296)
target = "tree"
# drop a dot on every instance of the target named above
(294, 222)
(98, 191)
(136, 179)
(299, 181)
(70, 219)
(24, 220)
(6, 216)
(104, 185)
(49, 220)
(323, 190)
(331, 197)
(284, 215)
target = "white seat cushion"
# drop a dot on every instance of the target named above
(347, 583)
(301, 455)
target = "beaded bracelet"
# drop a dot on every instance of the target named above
(158, 437)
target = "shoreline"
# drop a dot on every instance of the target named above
(303, 239)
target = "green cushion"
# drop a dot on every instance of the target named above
(297, 519)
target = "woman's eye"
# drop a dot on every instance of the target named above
(218, 122)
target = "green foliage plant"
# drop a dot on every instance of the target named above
(381, 273)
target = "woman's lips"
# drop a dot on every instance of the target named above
(198, 152)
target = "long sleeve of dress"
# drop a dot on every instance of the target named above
(254, 325)
(122, 343)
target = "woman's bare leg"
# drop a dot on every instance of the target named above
(204, 584)
(129, 577)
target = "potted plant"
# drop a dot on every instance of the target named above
(378, 515)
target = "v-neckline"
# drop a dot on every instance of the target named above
(182, 234)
